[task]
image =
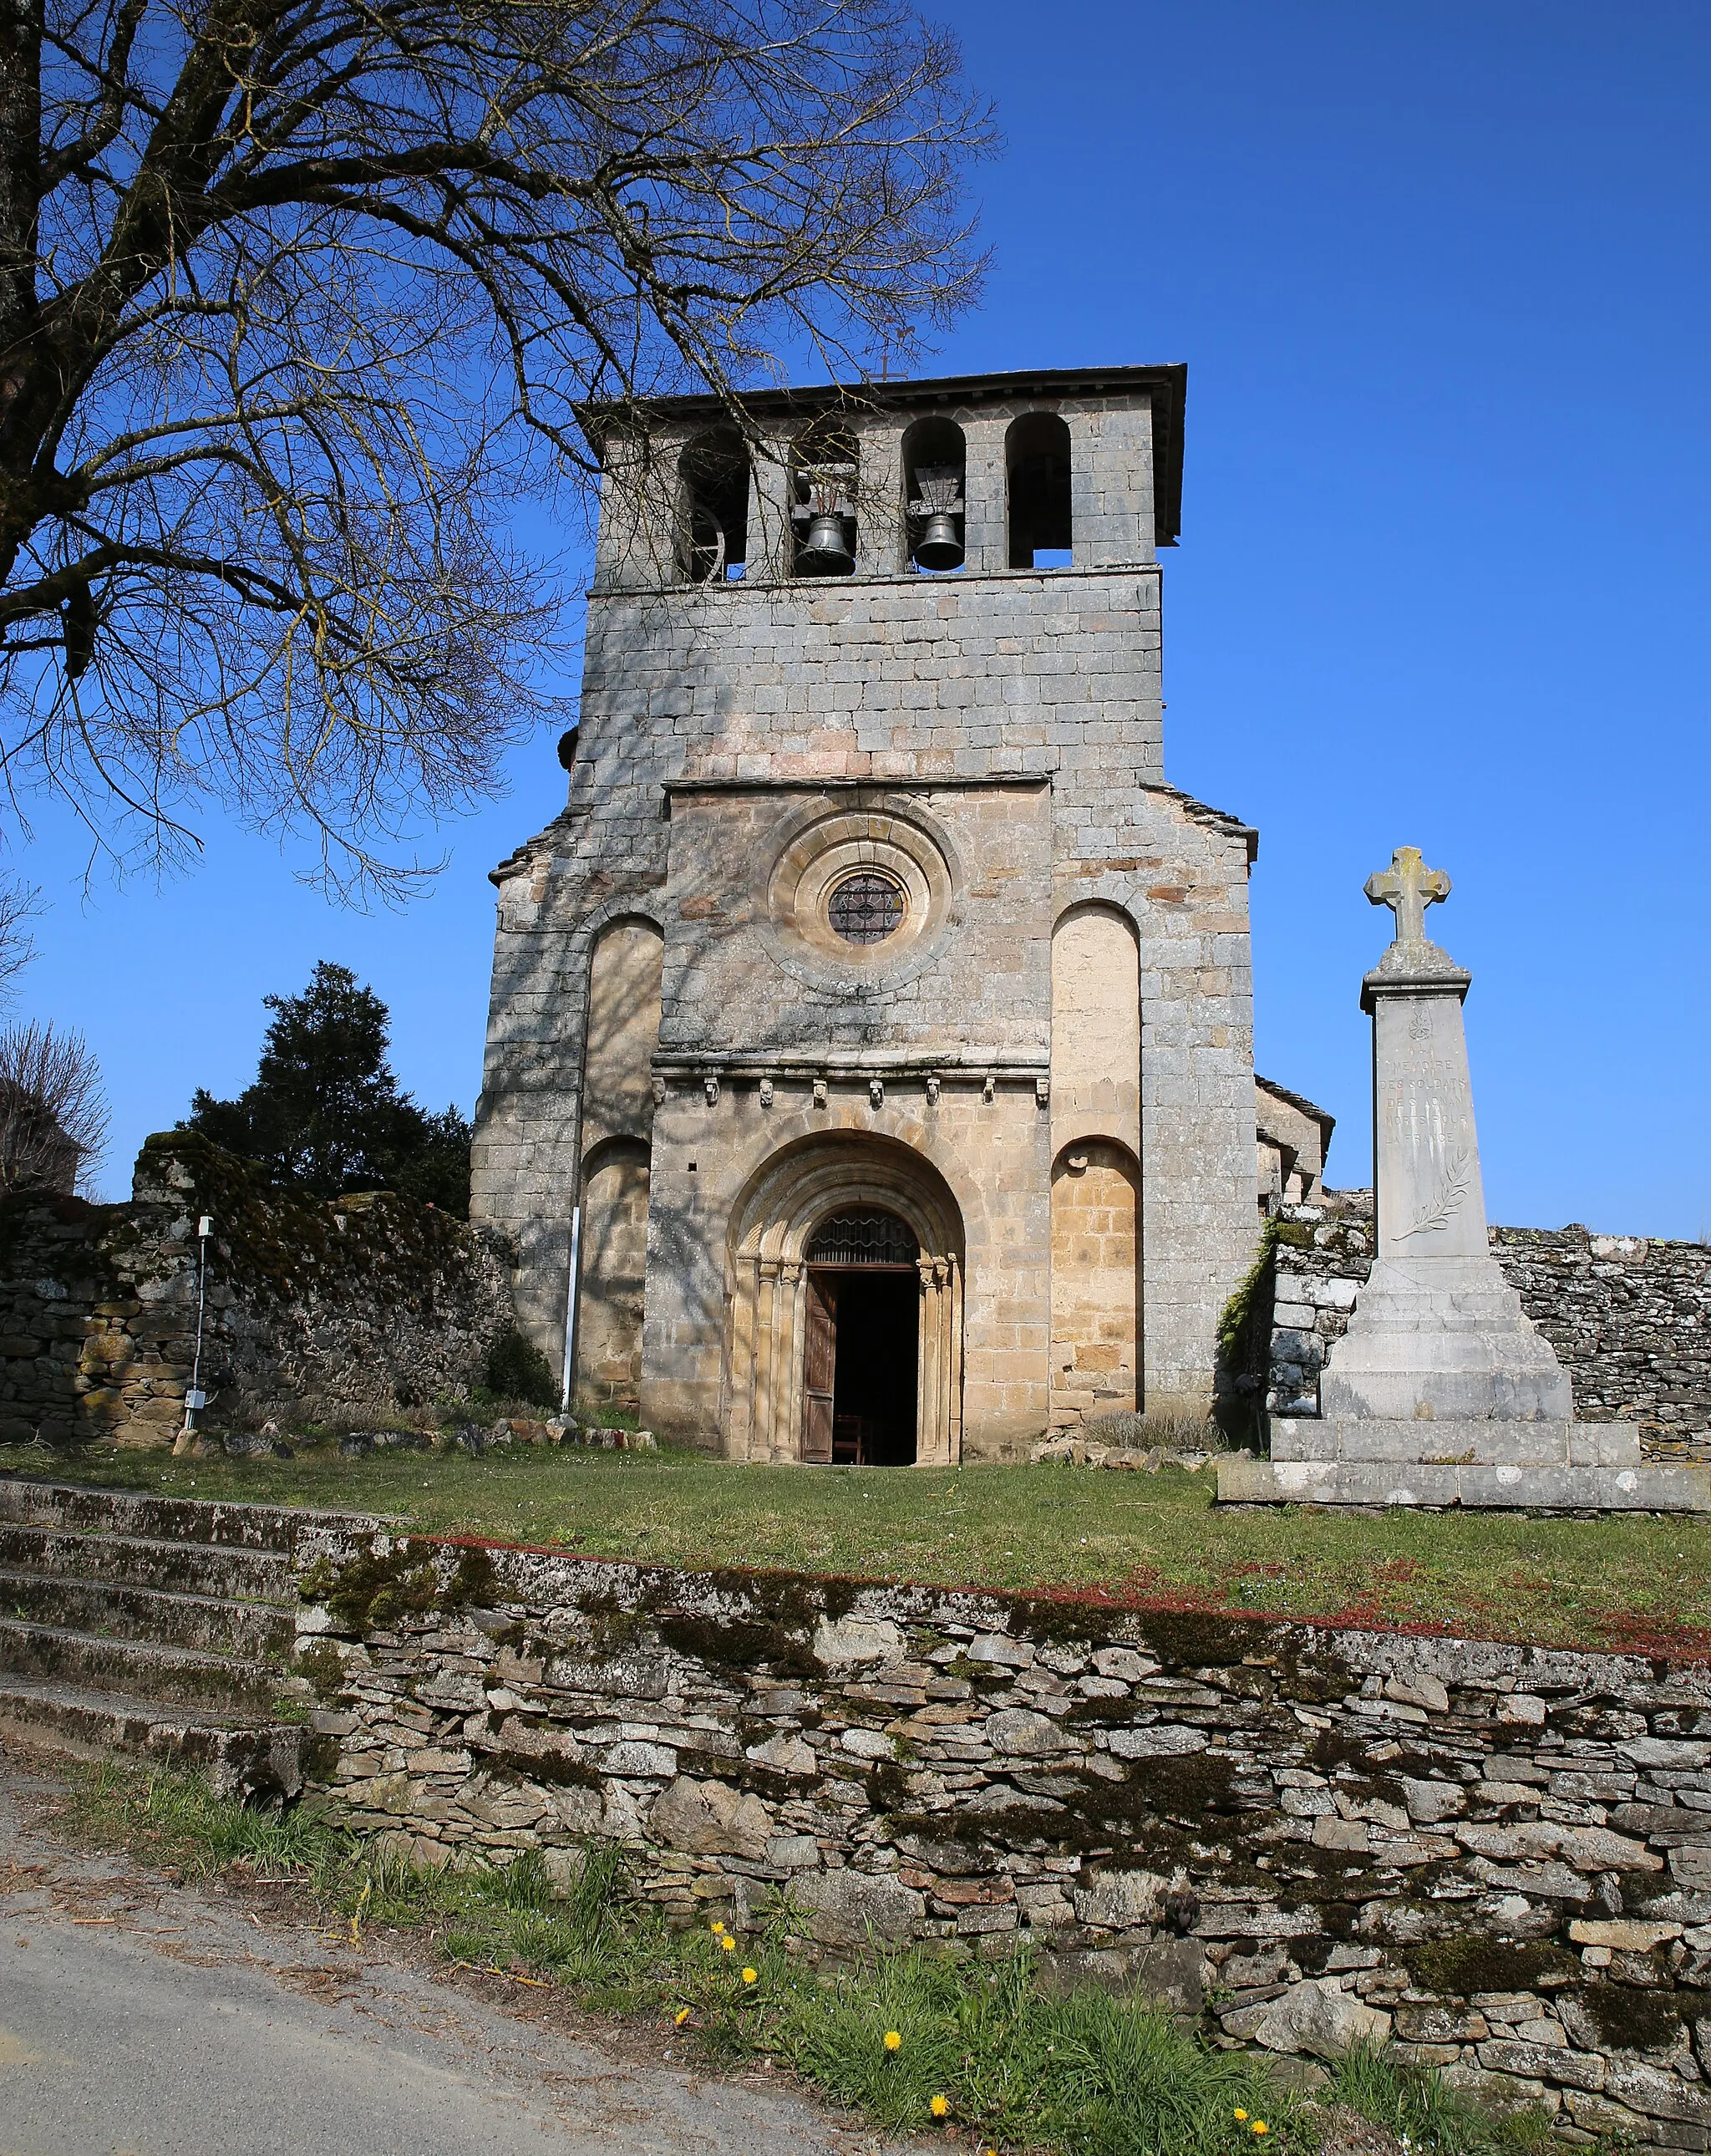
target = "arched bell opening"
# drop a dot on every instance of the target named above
(1036, 473)
(713, 508)
(825, 473)
(934, 472)
(845, 1340)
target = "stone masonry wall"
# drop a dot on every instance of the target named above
(363, 1306)
(1498, 1857)
(1629, 1315)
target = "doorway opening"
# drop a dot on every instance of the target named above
(861, 1364)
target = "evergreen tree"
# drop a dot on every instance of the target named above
(324, 1112)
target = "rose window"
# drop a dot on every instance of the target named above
(866, 907)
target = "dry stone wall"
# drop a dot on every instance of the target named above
(1498, 1857)
(366, 1305)
(1629, 1315)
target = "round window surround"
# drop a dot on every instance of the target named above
(834, 868)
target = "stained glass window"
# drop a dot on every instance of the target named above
(866, 907)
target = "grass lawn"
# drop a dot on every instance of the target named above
(1633, 1582)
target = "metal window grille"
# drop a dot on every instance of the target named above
(866, 907)
(863, 1239)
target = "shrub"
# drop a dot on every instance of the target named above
(516, 1371)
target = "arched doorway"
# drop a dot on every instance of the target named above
(863, 1346)
(821, 1225)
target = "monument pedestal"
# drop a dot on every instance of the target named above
(1442, 1392)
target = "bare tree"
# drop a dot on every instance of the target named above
(297, 297)
(19, 905)
(52, 1115)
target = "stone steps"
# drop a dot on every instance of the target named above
(145, 1669)
(250, 1631)
(260, 1760)
(160, 1627)
(208, 1568)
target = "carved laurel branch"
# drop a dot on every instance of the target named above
(1438, 1209)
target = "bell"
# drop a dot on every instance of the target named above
(824, 553)
(939, 547)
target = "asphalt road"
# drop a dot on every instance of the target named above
(141, 2018)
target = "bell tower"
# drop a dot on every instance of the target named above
(870, 901)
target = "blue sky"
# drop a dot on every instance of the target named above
(1439, 277)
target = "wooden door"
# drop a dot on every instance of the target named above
(819, 1358)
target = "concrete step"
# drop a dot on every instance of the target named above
(255, 1631)
(236, 1575)
(254, 1758)
(1493, 1443)
(1434, 1485)
(137, 1512)
(140, 1669)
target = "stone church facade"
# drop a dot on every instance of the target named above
(884, 1012)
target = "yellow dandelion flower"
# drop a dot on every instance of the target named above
(893, 2041)
(681, 2015)
(750, 1976)
(940, 2106)
(1260, 2126)
(716, 1927)
(1240, 2113)
(727, 1942)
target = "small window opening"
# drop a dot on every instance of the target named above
(1037, 462)
(712, 542)
(866, 907)
(936, 466)
(823, 514)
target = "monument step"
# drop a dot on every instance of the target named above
(1456, 1444)
(1513, 1488)
(247, 1756)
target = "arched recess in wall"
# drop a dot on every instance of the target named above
(624, 978)
(1036, 478)
(614, 1269)
(1097, 1292)
(1095, 1281)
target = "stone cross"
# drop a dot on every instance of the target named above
(1407, 886)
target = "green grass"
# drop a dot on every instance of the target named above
(1083, 2073)
(1638, 1582)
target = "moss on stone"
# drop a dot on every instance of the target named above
(1460, 1966)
